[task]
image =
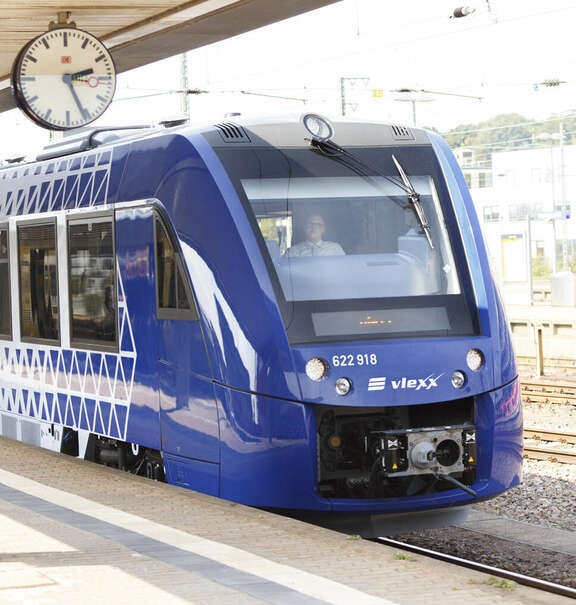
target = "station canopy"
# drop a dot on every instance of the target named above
(139, 32)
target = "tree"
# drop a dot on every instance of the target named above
(507, 131)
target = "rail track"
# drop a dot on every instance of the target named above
(557, 363)
(493, 571)
(542, 391)
(546, 453)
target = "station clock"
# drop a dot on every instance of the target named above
(63, 79)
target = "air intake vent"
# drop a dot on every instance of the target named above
(231, 133)
(401, 133)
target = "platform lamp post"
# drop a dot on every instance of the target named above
(184, 82)
(529, 243)
(411, 95)
(463, 11)
(417, 95)
(551, 137)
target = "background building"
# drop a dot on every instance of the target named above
(526, 201)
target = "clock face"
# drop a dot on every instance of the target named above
(64, 79)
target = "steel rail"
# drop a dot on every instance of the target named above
(555, 387)
(481, 567)
(552, 362)
(549, 392)
(548, 435)
(548, 365)
(546, 453)
(541, 453)
(544, 397)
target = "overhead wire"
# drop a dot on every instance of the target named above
(442, 34)
(511, 142)
(455, 131)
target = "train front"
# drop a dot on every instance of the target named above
(400, 353)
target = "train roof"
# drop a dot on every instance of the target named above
(241, 132)
(280, 132)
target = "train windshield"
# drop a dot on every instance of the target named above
(347, 251)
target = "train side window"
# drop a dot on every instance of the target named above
(174, 294)
(37, 263)
(5, 308)
(165, 269)
(92, 282)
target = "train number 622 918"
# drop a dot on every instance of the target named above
(361, 359)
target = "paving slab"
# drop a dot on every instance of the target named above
(89, 533)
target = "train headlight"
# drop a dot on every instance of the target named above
(458, 379)
(343, 386)
(475, 359)
(316, 369)
(318, 126)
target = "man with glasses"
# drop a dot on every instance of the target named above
(314, 245)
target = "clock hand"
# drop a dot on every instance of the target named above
(79, 74)
(67, 79)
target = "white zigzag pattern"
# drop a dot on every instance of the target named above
(62, 184)
(76, 388)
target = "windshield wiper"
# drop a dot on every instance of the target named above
(414, 197)
(348, 159)
(331, 150)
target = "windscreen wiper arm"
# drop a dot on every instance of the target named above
(414, 198)
(334, 151)
(346, 158)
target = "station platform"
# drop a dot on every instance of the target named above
(75, 532)
(542, 313)
(558, 326)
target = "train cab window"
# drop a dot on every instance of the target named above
(92, 279)
(174, 294)
(349, 256)
(39, 305)
(5, 310)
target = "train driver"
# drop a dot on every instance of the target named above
(314, 245)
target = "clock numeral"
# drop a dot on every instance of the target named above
(31, 58)
(65, 39)
(85, 43)
(45, 42)
(100, 57)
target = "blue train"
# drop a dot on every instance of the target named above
(292, 314)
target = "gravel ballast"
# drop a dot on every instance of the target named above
(546, 498)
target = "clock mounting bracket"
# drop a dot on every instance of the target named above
(62, 17)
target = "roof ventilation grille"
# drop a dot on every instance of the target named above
(231, 133)
(402, 133)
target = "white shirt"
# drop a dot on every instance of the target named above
(320, 248)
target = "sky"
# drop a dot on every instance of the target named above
(498, 53)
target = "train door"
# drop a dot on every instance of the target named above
(188, 413)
